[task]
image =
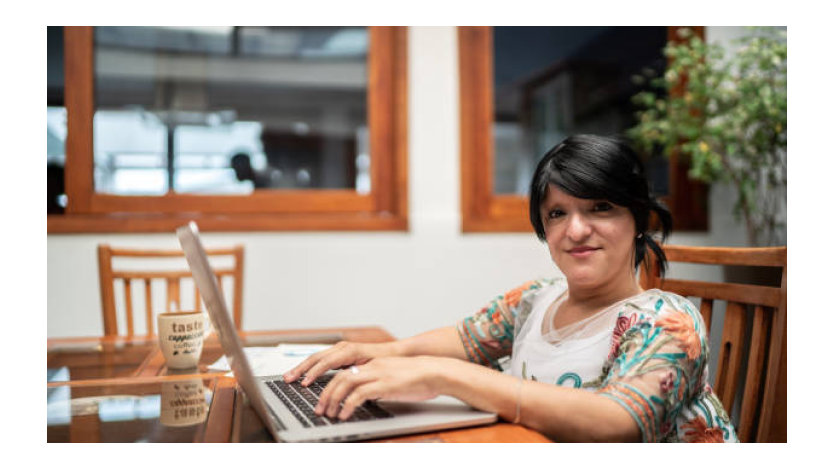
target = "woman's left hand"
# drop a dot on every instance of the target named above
(393, 378)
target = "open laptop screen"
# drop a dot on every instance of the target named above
(204, 277)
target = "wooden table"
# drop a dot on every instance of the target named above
(117, 389)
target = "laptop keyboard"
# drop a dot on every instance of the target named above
(301, 401)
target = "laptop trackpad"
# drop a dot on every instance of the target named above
(441, 404)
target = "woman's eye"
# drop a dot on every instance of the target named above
(602, 207)
(555, 214)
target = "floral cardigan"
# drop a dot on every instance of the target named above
(656, 368)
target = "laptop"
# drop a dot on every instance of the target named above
(287, 409)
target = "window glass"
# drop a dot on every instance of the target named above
(56, 121)
(552, 82)
(227, 110)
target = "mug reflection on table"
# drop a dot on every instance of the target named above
(183, 403)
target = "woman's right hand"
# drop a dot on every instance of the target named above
(341, 355)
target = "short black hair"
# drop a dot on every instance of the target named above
(597, 167)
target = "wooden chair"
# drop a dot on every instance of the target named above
(763, 412)
(108, 278)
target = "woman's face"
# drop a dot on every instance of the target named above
(590, 240)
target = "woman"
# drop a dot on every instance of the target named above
(593, 357)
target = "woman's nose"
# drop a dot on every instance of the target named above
(578, 227)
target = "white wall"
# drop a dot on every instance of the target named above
(405, 282)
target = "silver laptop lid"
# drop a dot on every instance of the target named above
(204, 277)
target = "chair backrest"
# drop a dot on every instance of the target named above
(109, 278)
(763, 410)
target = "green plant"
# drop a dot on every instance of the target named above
(728, 116)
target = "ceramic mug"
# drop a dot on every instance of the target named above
(181, 338)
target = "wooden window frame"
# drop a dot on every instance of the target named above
(484, 211)
(385, 208)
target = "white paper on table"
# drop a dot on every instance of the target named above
(273, 360)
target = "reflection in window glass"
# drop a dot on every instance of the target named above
(128, 408)
(552, 82)
(56, 137)
(56, 121)
(227, 110)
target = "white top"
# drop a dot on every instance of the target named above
(572, 355)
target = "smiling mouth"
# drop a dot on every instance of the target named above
(582, 250)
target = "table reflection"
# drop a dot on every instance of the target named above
(166, 411)
(96, 359)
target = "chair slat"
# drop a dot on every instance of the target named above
(706, 313)
(133, 253)
(730, 356)
(172, 301)
(771, 256)
(148, 307)
(197, 301)
(128, 307)
(108, 299)
(772, 422)
(165, 274)
(755, 368)
(741, 293)
(238, 287)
